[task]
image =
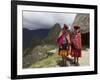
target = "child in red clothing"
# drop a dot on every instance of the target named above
(76, 44)
(64, 43)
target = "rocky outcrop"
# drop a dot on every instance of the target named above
(36, 54)
(84, 21)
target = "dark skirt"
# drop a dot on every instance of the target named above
(76, 53)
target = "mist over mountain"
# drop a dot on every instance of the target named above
(38, 19)
(44, 35)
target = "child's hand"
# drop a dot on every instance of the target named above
(60, 47)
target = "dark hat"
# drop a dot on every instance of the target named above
(76, 27)
(65, 26)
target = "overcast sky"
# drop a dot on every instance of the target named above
(40, 20)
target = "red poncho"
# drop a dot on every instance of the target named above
(76, 40)
(60, 38)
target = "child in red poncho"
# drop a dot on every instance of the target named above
(76, 44)
(64, 43)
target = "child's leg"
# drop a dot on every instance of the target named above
(77, 60)
(63, 60)
(77, 63)
(74, 59)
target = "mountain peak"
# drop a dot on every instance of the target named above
(53, 33)
(57, 25)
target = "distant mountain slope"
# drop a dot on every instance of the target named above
(29, 35)
(45, 35)
(53, 34)
(40, 42)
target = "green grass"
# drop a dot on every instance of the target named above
(50, 61)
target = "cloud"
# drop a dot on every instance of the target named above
(36, 20)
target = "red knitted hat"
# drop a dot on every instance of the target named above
(65, 26)
(76, 27)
